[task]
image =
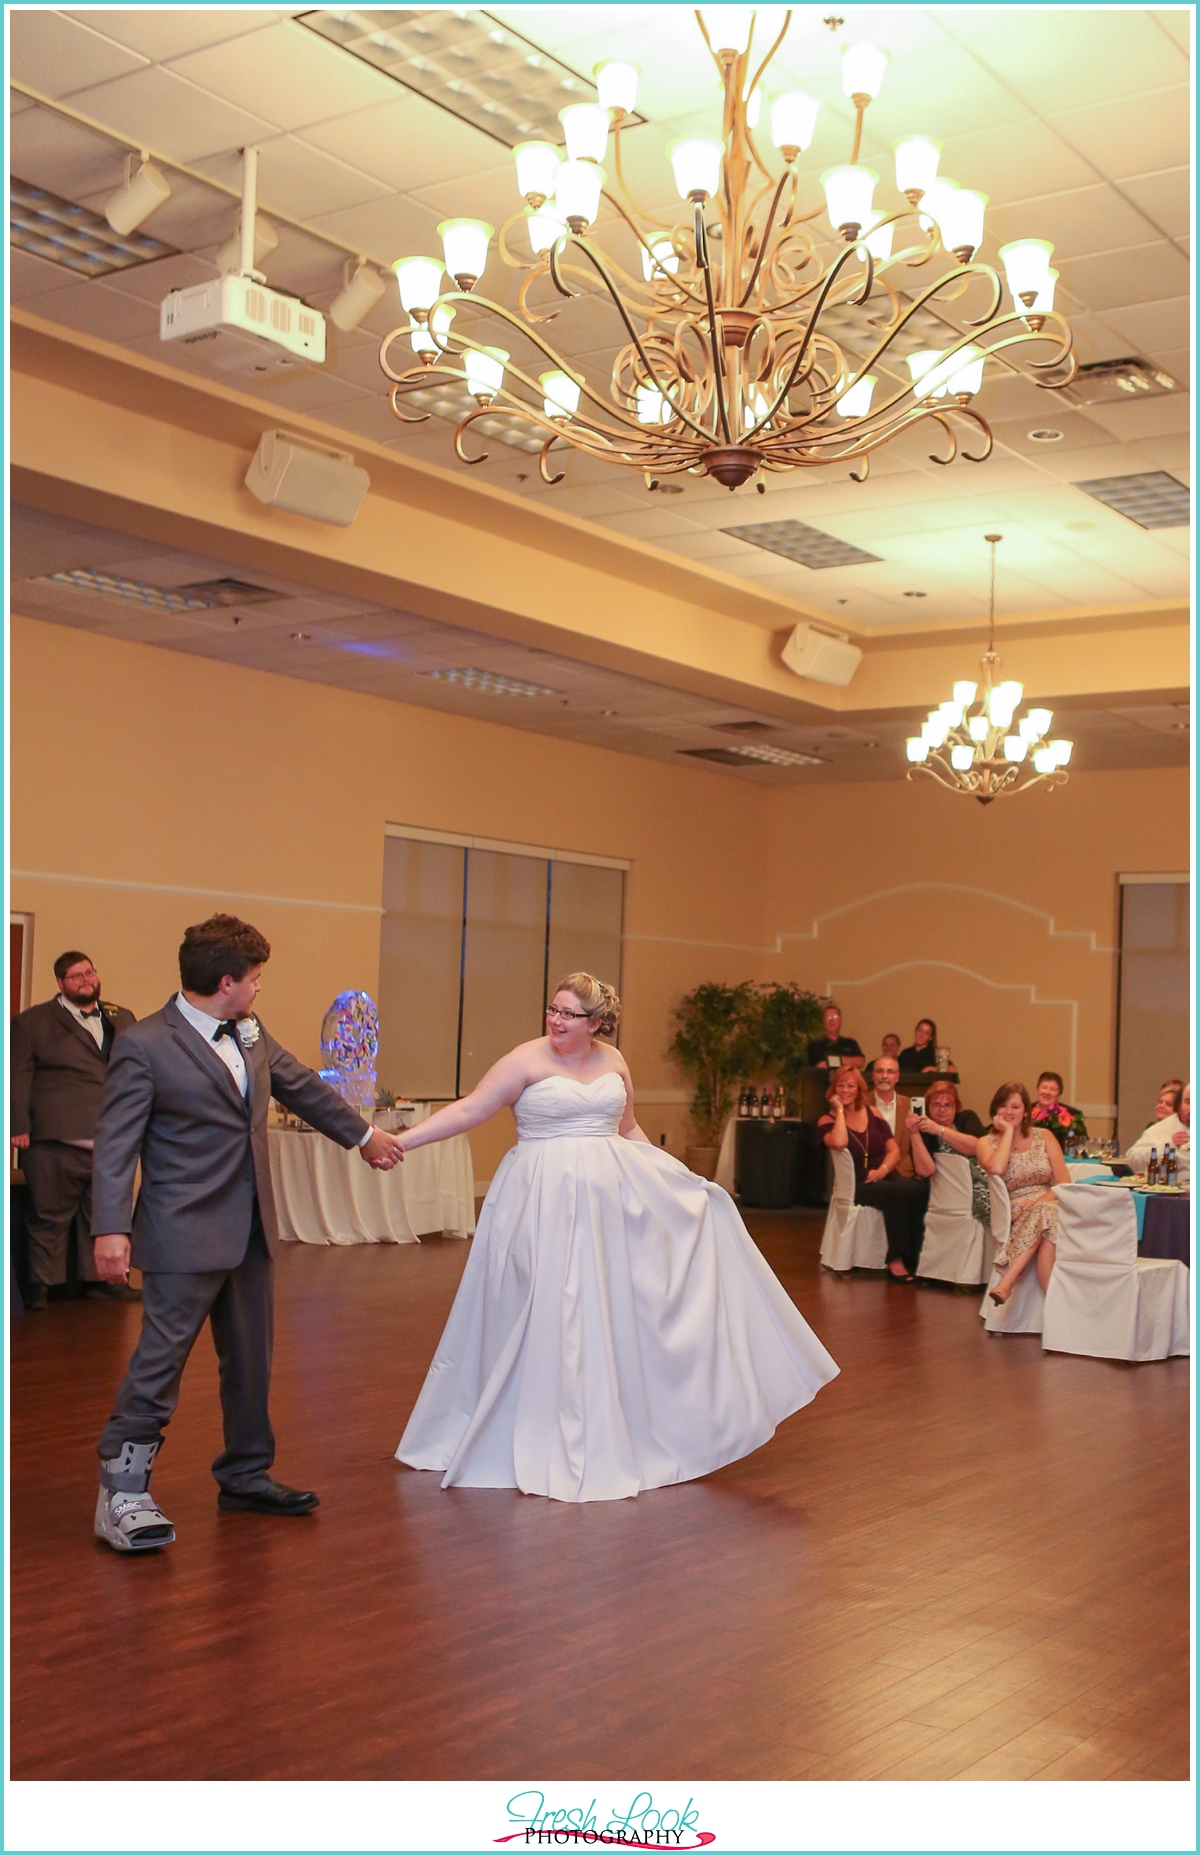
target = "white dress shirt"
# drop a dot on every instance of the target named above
(229, 1049)
(93, 1026)
(1159, 1136)
(886, 1110)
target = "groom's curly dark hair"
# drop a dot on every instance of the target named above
(220, 945)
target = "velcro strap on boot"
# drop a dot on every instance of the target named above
(129, 1473)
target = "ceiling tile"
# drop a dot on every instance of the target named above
(56, 55)
(1011, 167)
(954, 94)
(1165, 198)
(409, 142)
(160, 109)
(492, 196)
(1146, 418)
(649, 524)
(298, 180)
(1176, 20)
(383, 229)
(165, 32)
(287, 74)
(1078, 223)
(151, 282)
(50, 151)
(96, 310)
(195, 217)
(29, 276)
(1154, 325)
(309, 389)
(1110, 280)
(1059, 52)
(1134, 135)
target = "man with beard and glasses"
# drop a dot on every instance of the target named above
(60, 1056)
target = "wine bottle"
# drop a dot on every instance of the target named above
(753, 1105)
(743, 1105)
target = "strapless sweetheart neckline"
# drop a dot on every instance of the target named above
(577, 1080)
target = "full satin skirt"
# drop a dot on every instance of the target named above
(615, 1329)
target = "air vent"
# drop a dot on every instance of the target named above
(467, 62)
(1103, 381)
(747, 755)
(489, 682)
(70, 235)
(1152, 499)
(743, 727)
(809, 547)
(229, 592)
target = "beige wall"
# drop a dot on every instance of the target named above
(150, 787)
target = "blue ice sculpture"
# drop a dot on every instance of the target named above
(350, 1045)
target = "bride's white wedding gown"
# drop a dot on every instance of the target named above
(615, 1327)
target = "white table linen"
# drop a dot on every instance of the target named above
(326, 1194)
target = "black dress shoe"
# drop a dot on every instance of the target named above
(112, 1291)
(36, 1299)
(270, 1497)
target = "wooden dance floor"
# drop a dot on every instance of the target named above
(966, 1560)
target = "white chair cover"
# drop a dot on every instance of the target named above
(855, 1237)
(1081, 1170)
(1023, 1311)
(1104, 1300)
(957, 1248)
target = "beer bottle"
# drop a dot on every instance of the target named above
(1152, 1168)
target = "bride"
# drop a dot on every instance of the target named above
(615, 1327)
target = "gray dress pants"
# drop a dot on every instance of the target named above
(59, 1178)
(240, 1307)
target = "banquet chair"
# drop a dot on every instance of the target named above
(957, 1247)
(1022, 1312)
(1082, 1170)
(1103, 1299)
(854, 1236)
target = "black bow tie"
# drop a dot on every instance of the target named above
(93, 1013)
(228, 1028)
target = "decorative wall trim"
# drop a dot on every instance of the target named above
(172, 888)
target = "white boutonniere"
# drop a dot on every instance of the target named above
(248, 1031)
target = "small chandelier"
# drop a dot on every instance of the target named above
(974, 749)
(746, 349)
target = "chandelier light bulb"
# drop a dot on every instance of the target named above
(977, 727)
(1012, 693)
(794, 121)
(537, 167)
(879, 244)
(1015, 747)
(855, 402)
(967, 377)
(848, 193)
(960, 220)
(485, 371)
(916, 749)
(616, 84)
(1026, 264)
(1036, 725)
(936, 729)
(577, 193)
(420, 281)
(1045, 760)
(429, 338)
(962, 758)
(662, 256)
(1061, 751)
(920, 367)
(465, 243)
(585, 126)
(140, 195)
(728, 28)
(964, 694)
(652, 408)
(544, 229)
(863, 67)
(756, 408)
(953, 713)
(696, 161)
(561, 394)
(917, 158)
(357, 298)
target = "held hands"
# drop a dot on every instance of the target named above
(382, 1151)
(111, 1256)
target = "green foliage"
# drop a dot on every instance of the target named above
(716, 1047)
(384, 1098)
(787, 1017)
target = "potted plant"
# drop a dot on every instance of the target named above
(787, 1017)
(716, 1047)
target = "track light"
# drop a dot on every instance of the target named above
(137, 197)
(357, 297)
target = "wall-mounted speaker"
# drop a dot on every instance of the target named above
(814, 654)
(308, 478)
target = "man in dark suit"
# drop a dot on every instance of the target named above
(60, 1057)
(187, 1094)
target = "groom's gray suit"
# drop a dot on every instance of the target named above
(204, 1231)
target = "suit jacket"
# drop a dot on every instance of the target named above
(58, 1071)
(170, 1102)
(906, 1169)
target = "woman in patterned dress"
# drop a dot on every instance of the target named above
(1030, 1163)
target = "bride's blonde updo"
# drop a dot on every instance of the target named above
(598, 1000)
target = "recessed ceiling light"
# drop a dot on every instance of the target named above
(137, 592)
(1044, 434)
(300, 637)
(490, 682)
(916, 595)
(70, 235)
(809, 547)
(1080, 528)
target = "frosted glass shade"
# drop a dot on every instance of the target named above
(465, 243)
(968, 371)
(585, 126)
(1036, 725)
(917, 158)
(794, 119)
(916, 749)
(696, 163)
(1015, 747)
(1044, 760)
(879, 244)
(537, 169)
(544, 229)
(936, 729)
(920, 366)
(863, 67)
(848, 192)
(577, 193)
(667, 258)
(964, 694)
(960, 220)
(977, 727)
(728, 27)
(1043, 302)
(1026, 264)
(561, 394)
(1061, 751)
(419, 281)
(953, 713)
(423, 335)
(616, 84)
(962, 758)
(485, 371)
(855, 402)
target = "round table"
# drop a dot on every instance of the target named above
(1167, 1229)
(327, 1194)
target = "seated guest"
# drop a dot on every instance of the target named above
(1051, 1111)
(820, 1049)
(1174, 1130)
(889, 1047)
(892, 1108)
(947, 1127)
(851, 1125)
(1030, 1163)
(1168, 1099)
(921, 1053)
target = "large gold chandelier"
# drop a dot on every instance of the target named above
(737, 357)
(969, 743)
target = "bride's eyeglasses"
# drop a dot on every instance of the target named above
(555, 1011)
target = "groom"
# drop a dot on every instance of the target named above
(186, 1095)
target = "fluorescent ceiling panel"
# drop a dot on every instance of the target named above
(70, 235)
(809, 547)
(1152, 499)
(490, 682)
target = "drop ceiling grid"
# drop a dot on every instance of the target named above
(1115, 57)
